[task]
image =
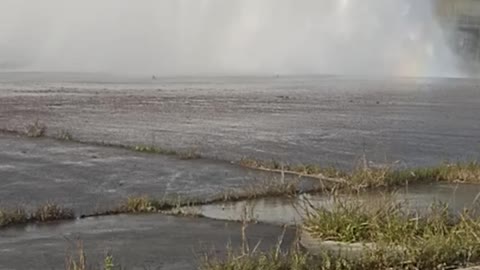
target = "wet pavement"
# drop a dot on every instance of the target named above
(90, 178)
(324, 120)
(136, 242)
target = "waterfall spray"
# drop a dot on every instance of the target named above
(360, 37)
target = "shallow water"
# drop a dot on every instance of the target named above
(292, 211)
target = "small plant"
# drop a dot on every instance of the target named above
(189, 154)
(12, 217)
(77, 260)
(154, 150)
(35, 130)
(45, 213)
(64, 135)
(140, 205)
(51, 212)
(108, 263)
(144, 204)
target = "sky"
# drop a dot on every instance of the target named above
(188, 37)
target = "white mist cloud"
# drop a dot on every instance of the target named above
(384, 37)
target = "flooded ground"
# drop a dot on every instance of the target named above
(322, 120)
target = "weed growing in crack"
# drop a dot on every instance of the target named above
(36, 129)
(64, 135)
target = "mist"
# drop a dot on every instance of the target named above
(188, 37)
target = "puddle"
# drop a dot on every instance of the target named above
(292, 211)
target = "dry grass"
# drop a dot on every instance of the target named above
(436, 239)
(301, 170)
(403, 240)
(51, 212)
(46, 213)
(12, 217)
(364, 177)
(389, 177)
(144, 204)
(77, 260)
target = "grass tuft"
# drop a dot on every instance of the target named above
(46, 213)
(153, 150)
(35, 130)
(12, 217)
(77, 260)
(51, 212)
(64, 135)
(190, 154)
(143, 205)
(426, 241)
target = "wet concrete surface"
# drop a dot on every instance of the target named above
(136, 242)
(90, 178)
(325, 120)
(292, 211)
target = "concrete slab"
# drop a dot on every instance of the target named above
(86, 178)
(325, 120)
(137, 242)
